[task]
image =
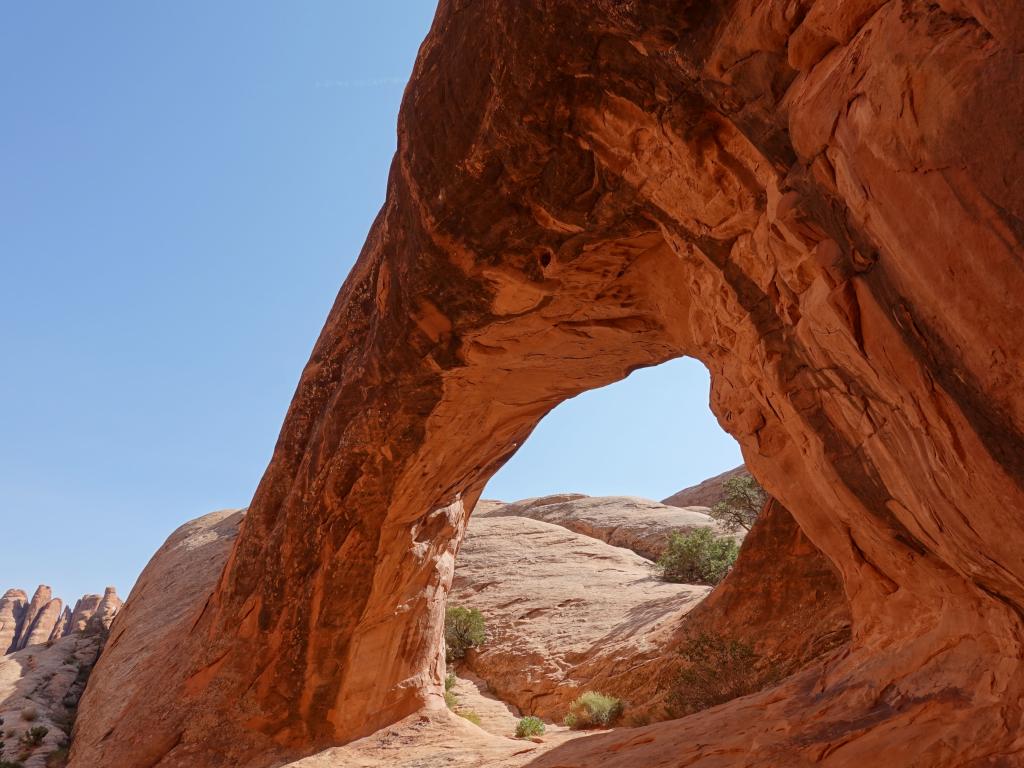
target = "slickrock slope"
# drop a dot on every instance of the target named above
(820, 200)
(638, 524)
(563, 618)
(40, 687)
(163, 606)
(435, 739)
(557, 603)
(706, 493)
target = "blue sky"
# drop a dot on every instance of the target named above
(184, 188)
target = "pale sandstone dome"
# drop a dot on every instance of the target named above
(632, 522)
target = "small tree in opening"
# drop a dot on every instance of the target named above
(744, 500)
(698, 557)
(463, 629)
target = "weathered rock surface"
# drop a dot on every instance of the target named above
(818, 199)
(563, 610)
(638, 524)
(706, 493)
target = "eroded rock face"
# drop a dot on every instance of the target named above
(817, 199)
(45, 618)
(40, 598)
(44, 623)
(12, 613)
(106, 609)
(84, 610)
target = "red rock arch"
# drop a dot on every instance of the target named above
(819, 200)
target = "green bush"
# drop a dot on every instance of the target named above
(529, 727)
(450, 698)
(10, 764)
(593, 710)
(717, 669)
(464, 628)
(699, 557)
(33, 737)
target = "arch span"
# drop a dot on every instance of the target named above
(799, 194)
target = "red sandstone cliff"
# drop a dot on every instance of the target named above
(818, 199)
(706, 493)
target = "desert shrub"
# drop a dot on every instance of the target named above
(464, 628)
(58, 758)
(469, 714)
(33, 737)
(10, 764)
(593, 710)
(743, 502)
(28, 714)
(450, 698)
(717, 669)
(529, 726)
(698, 557)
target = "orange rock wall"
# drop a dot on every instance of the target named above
(818, 199)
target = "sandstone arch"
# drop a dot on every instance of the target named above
(820, 201)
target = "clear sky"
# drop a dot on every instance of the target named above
(183, 188)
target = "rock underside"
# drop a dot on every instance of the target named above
(818, 199)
